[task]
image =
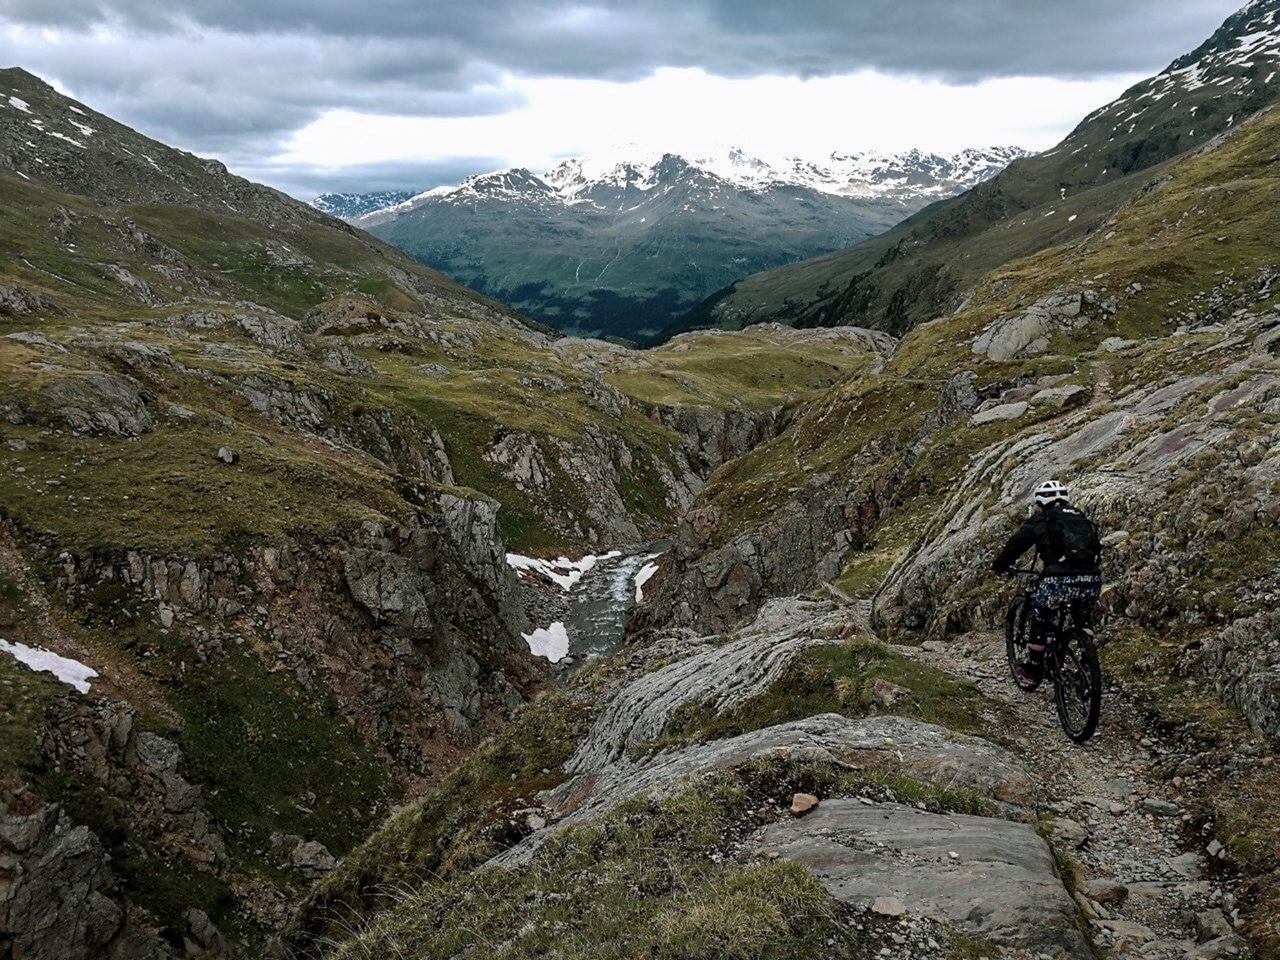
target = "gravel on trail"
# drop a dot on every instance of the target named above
(1149, 886)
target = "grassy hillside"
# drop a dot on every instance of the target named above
(1152, 396)
(248, 458)
(928, 264)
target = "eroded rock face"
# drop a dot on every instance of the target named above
(1029, 332)
(711, 587)
(411, 630)
(718, 675)
(18, 301)
(1242, 661)
(714, 437)
(56, 888)
(97, 403)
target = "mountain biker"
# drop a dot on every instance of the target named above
(1067, 543)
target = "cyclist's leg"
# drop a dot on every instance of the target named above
(1083, 593)
(1045, 605)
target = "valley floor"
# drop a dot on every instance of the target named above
(1148, 883)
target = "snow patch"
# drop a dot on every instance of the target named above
(643, 575)
(71, 672)
(551, 642)
(63, 136)
(564, 572)
(19, 104)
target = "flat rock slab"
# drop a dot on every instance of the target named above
(922, 751)
(990, 878)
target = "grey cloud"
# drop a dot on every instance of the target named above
(234, 79)
(229, 95)
(956, 40)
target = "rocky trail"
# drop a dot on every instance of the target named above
(1148, 885)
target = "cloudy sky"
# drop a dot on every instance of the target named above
(318, 95)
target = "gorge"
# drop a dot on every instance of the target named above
(285, 492)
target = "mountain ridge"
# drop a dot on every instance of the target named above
(863, 174)
(621, 248)
(925, 265)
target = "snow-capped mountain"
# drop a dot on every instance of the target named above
(1059, 196)
(909, 176)
(867, 175)
(1200, 95)
(348, 206)
(624, 243)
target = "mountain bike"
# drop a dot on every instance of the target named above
(1070, 659)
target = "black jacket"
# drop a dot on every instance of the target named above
(1037, 531)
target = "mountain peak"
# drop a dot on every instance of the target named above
(908, 175)
(623, 243)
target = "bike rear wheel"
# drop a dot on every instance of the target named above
(1077, 684)
(1015, 638)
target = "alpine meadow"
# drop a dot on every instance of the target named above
(352, 610)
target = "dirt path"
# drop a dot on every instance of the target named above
(1147, 886)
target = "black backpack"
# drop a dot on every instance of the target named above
(1081, 547)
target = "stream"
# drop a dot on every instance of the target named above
(599, 592)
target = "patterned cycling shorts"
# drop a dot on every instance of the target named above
(1054, 593)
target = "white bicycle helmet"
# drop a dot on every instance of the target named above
(1051, 491)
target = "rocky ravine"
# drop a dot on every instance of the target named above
(420, 667)
(1090, 845)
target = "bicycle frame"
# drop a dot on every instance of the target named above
(1081, 613)
(1071, 657)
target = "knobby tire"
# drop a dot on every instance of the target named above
(1015, 637)
(1077, 686)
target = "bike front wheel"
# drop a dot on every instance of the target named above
(1015, 638)
(1078, 684)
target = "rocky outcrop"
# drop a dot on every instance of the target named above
(55, 880)
(714, 588)
(440, 615)
(1029, 332)
(714, 581)
(1242, 663)
(99, 740)
(59, 897)
(713, 674)
(18, 301)
(580, 484)
(98, 403)
(714, 437)
(992, 877)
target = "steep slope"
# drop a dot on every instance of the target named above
(664, 803)
(623, 248)
(258, 475)
(927, 264)
(1139, 365)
